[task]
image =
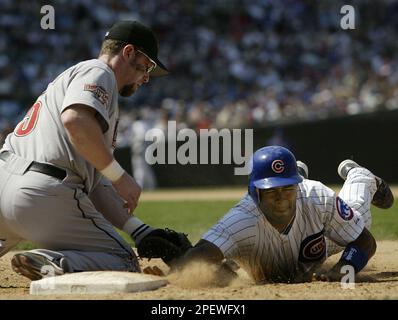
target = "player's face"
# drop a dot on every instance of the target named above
(278, 204)
(136, 73)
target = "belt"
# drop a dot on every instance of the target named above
(45, 168)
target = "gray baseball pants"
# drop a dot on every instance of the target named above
(60, 218)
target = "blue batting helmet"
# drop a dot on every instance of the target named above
(272, 167)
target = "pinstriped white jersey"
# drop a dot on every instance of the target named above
(245, 236)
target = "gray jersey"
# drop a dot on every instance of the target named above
(58, 215)
(41, 136)
(245, 236)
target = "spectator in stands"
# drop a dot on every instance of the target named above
(234, 63)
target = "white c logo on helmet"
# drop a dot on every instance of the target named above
(278, 166)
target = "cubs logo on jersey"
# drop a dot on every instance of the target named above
(343, 209)
(313, 248)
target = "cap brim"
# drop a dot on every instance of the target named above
(160, 69)
(275, 182)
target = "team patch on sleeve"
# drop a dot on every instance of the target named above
(343, 209)
(98, 92)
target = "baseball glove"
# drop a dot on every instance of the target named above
(166, 244)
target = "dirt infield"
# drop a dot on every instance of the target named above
(379, 280)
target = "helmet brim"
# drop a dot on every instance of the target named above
(275, 182)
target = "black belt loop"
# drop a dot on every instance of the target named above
(44, 168)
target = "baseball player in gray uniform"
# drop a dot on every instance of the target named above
(287, 225)
(60, 185)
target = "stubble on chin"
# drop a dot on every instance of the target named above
(127, 90)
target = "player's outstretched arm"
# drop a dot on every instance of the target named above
(356, 254)
(206, 252)
(107, 201)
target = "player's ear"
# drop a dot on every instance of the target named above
(128, 51)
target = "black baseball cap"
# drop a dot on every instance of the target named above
(141, 36)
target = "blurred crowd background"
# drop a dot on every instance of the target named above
(234, 63)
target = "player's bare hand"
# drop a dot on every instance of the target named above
(129, 190)
(333, 275)
(154, 271)
(327, 277)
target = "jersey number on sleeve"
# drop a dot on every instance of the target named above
(28, 123)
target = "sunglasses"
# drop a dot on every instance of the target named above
(151, 67)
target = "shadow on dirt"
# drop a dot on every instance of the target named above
(385, 276)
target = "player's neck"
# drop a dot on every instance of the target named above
(281, 225)
(286, 229)
(113, 62)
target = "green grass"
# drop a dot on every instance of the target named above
(195, 217)
(191, 217)
(385, 223)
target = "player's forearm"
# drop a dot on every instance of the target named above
(358, 252)
(207, 252)
(204, 251)
(108, 202)
(86, 136)
(366, 242)
(356, 255)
